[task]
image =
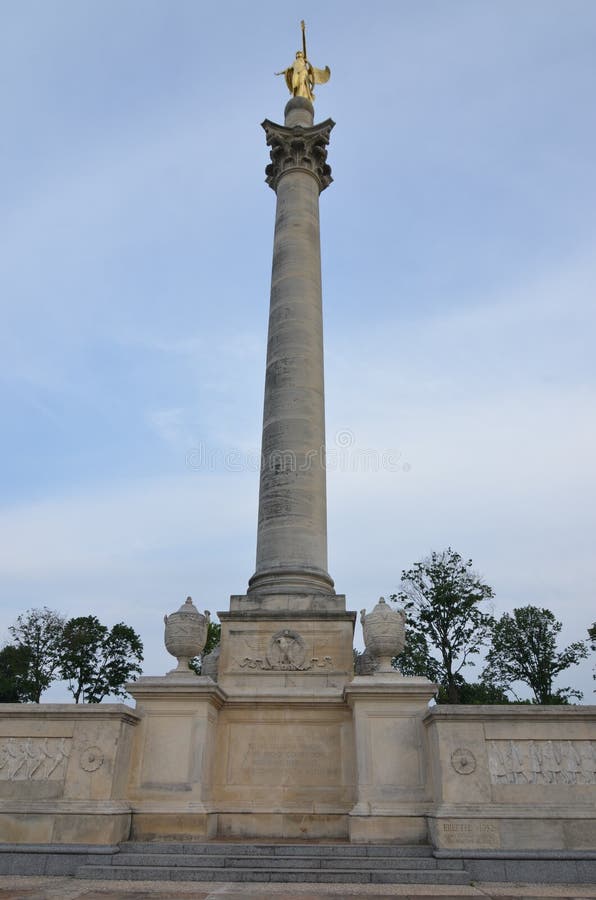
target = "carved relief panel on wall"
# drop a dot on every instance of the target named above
(542, 762)
(286, 652)
(29, 759)
(45, 759)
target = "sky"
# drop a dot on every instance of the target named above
(459, 279)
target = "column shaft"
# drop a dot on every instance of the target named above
(292, 526)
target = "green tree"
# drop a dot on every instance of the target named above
(97, 661)
(477, 693)
(213, 639)
(14, 668)
(416, 658)
(40, 631)
(592, 638)
(442, 595)
(524, 649)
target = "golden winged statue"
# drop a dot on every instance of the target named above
(301, 76)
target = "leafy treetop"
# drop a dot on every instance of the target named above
(40, 631)
(97, 661)
(442, 595)
(524, 649)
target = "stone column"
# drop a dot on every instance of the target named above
(292, 528)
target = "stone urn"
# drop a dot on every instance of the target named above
(185, 635)
(384, 634)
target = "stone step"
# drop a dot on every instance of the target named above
(297, 875)
(231, 848)
(275, 862)
(241, 862)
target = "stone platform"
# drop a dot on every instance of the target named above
(510, 791)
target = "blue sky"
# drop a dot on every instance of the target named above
(459, 272)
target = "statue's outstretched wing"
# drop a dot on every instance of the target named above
(288, 73)
(321, 76)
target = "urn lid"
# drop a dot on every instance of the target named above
(188, 613)
(188, 608)
(381, 609)
(382, 614)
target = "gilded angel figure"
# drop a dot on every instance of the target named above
(302, 76)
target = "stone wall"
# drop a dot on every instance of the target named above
(513, 777)
(371, 763)
(64, 772)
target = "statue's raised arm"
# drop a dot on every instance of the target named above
(301, 76)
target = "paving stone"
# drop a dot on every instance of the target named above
(9, 893)
(277, 862)
(24, 864)
(586, 870)
(535, 871)
(165, 859)
(322, 877)
(352, 850)
(144, 894)
(233, 875)
(393, 863)
(486, 869)
(412, 876)
(398, 850)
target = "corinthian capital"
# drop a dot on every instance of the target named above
(298, 149)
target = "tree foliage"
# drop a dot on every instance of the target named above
(592, 639)
(97, 661)
(476, 693)
(416, 658)
(213, 639)
(442, 595)
(524, 649)
(40, 632)
(15, 660)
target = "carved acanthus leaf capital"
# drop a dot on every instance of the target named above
(298, 149)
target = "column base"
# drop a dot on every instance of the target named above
(291, 581)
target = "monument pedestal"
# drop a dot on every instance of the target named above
(284, 765)
(172, 768)
(286, 641)
(393, 785)
(285, 760)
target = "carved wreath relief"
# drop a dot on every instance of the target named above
(286, 650)
(463, 761)
(33, 759)
(90, 759)
(542, 762)
(286, 653)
